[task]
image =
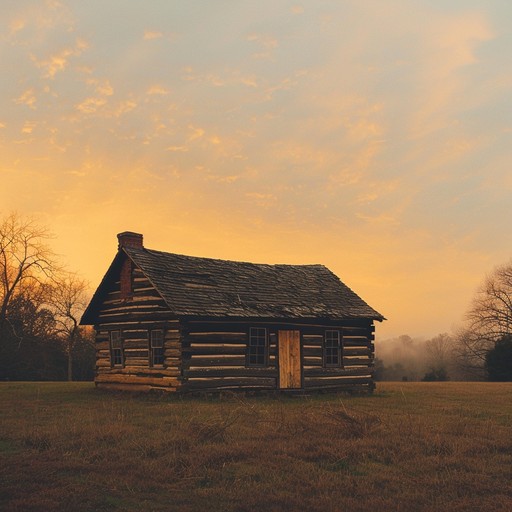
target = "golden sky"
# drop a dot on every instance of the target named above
(373, 136)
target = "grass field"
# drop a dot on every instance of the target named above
(408, 447)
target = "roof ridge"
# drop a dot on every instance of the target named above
(167, 253)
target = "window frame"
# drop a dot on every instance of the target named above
(152, 347)
(332, 350)
(257, 350)
(117, 359)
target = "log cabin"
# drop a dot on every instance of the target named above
(181, 323)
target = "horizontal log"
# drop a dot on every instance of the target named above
(356, 342)
(215, 361)
(133, 323)
(312, 352)
(111, 386)
(130, 353)
(335, 372)
(316, 383)
(307, 327)
(357, 351)
(135, 334)
(136, 344)
(217, 350)
(312, 361)
(224, 337)
(136, 379)
(172, 352)
(230, 383)
(133, 387)
(142, 371)
(231, 372)
(353, 361)
(135, 361)
(208, 361)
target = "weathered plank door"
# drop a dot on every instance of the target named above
(290, 368)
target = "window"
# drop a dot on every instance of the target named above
(332, 348)
(257, 350)
(116, 348)
(156, 347)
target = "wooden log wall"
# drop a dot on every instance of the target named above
(134, 317)
(214, 356)
(358, 357)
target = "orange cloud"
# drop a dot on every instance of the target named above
(59, 61)
(152, 34)
(91, 105)
(27, 98)
(157, 90)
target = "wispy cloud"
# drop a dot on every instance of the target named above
(59, 61)
(196, 133)
(179, 149)
(157, 90)
(451, 45)
(28, 127)
(152, 34)
(27, 98)
(91, 105)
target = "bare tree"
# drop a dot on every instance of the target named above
(489, 319)
(68, 301)
(439, 351)
(26, 261)
(491, 310)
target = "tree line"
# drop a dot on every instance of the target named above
(481, 349)
(41, 303)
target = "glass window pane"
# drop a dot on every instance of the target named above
(257, 347)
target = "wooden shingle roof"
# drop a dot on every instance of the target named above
(206, 287)
(193, 286)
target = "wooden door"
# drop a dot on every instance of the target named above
(290, 367)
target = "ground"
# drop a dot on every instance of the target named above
(409, 446)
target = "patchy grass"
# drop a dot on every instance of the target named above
(408, 447)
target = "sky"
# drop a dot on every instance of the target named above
(372, 136)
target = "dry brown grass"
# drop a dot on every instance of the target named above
(409, 447)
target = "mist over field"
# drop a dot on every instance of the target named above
(408, 358)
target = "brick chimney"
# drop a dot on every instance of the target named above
(129, 239)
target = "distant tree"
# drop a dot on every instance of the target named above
(436, 374)
(40, 307)
(84, 355)
(68, 302)
(489, 319)
(26, 261)
(29, 348)
(439, 350)
(498, 360)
